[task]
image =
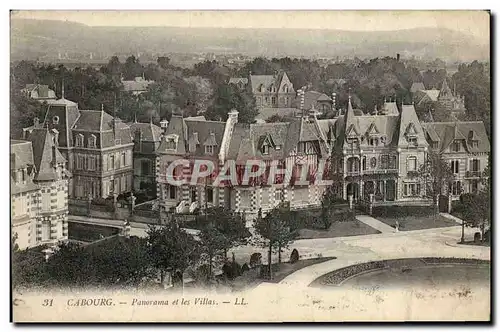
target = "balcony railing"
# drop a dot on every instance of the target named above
(380, 171)
(473, 174)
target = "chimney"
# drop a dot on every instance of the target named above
(398, 56)
(36, 122)
(54, 156)
(163, 126)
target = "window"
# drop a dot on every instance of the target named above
(273, 100)
(412, 164)
(45, 230)
(118, 164)
(373, 141)
(80, 162)
(171, 145)
(455, 165)
(278, 147)
(474, 144)
(46, 201)
(267, 100)
(171, 192)
(145, 167)
(261, 88)
(79, 141)
(259, 101)
(411, 189)
(384, 161)
(456, 188)
(124, 159)
(209, 149)
(23, 175)
(273, 88)
(278, 195)
(434, 145)
(285, 88)
(286, 101)
(393, 162)
(92, 142)
(373, 162)
(210, 195)
(111, 162)
(91, 163)
(412, 140)
(456, 146)
(474, 165)
(265, 149)
(363, 163)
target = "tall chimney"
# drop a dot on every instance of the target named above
(163, 126)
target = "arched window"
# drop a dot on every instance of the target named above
(273, 88)
(79, 140)
(92, 142)
(411, 164)
(285, 88)
(261, 88)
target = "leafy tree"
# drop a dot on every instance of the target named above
(132, 68)
(231, 225)
(213, 245)
(163, 62)
(228, 97)
(171, 248)
(436, 174)
(277, 231)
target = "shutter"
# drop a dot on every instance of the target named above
(471, 165)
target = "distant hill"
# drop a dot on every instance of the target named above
(31, 39)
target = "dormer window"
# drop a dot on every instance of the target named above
(79, 141)
(265, 149)
(209, 149)
(273, 88)
(474, 144)
(92, 141)
(285, 88)
(412, 140)
(261, 88)
(456, 146)
(171, 145)
(373, 141)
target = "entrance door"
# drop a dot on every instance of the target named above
(390, 190)
(353, 189)
(369, 188)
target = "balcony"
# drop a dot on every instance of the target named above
(380, 171)
(473, 174)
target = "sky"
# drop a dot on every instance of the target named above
(475, 23)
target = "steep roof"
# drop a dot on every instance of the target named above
(45, 154)
(149, 132)
(22, 152)
(236, 80)
(445, 90)
(61, 102)
(409, 120)
(390, 108)
(268, 80)
(467, 131)
(41, 90)
(97, 121)
(417, 86)
(267, 112)
(312, 97)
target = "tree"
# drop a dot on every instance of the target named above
(277, 231)
(163, 62)
(228, 97)
(436, 174)
(132, 68)
(171, 248)
(231, 225)
(213, 245)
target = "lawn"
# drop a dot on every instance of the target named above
(412, 223)
(338, 229)
(251, 279)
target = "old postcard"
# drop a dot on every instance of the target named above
(250, 166)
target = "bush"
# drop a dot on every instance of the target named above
(231, 270)
(255, 259)
(294, 256)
